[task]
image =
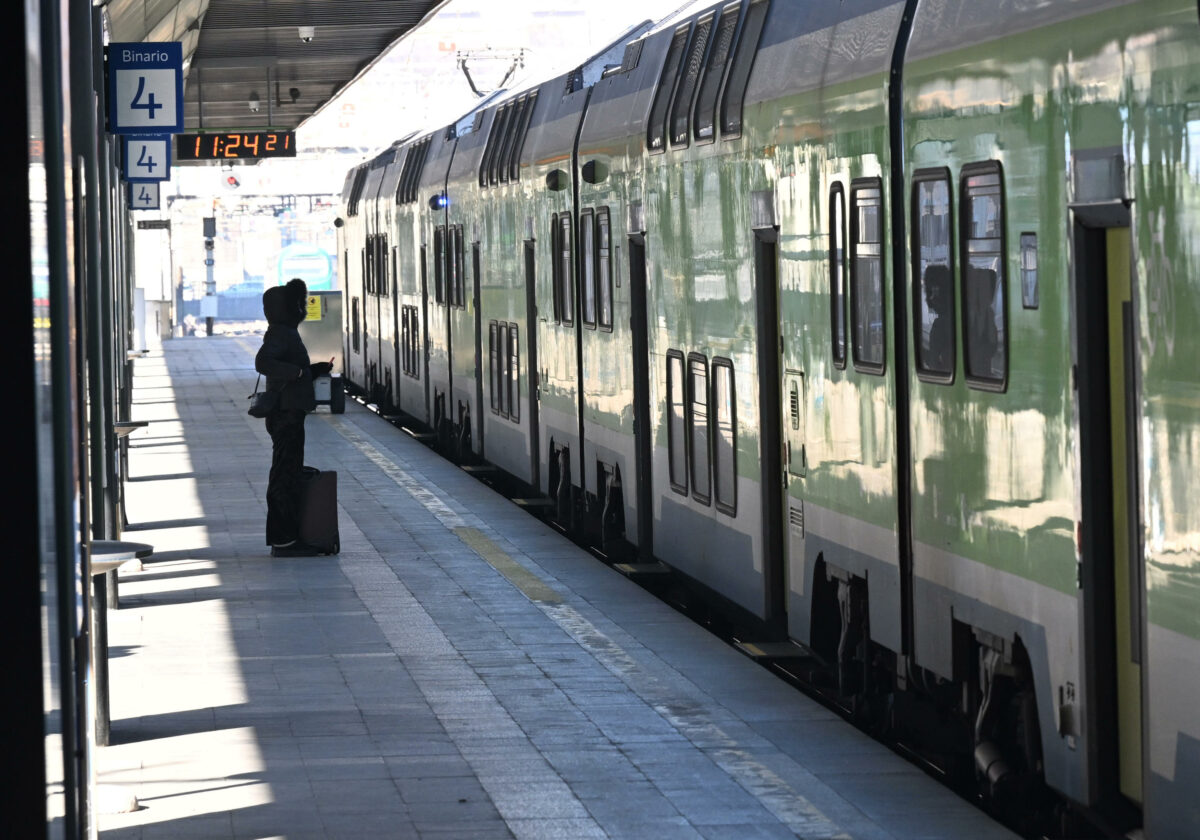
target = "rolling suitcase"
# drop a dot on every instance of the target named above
(318, 510)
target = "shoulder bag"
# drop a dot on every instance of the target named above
(262, 403)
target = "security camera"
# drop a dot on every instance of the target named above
(307, 33)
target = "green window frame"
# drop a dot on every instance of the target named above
(982, 280)
(868, 305)
(933, 308)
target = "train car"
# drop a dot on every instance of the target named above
(505, 264)
(464, 217)
(1049, 202)
(606, 328)
(445, 259)
(553, 129)
(411, 281)
(817, 97)
(352, 242)
(711, 312)
(379, 322)
(617, 391)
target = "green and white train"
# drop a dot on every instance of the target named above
(879, 320)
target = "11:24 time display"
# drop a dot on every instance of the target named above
(235, 145)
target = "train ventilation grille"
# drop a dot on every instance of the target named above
(796, 517)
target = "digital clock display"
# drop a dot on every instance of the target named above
(235, 145)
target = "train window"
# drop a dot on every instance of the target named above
(417, 154)
(985, 350)
(566, 294)
(500, 131)
(416, 342)
(356, 191)
(354, 325)
(681, 107)
(555, 270)
(604, 268)
(424, 273)
(513, 125)
(866, 273)
(933, 286)
(381, 264)
(408, 173)
(405, 341)
(385, 279)
(439, 264)
(368, 269)
(489, 150)
(724, 437)
(514, 373)
(1029, 274)
(514, 160)
(409, 153)
(494, 365)
(415, 331)
(739, 72)
(458, 271)
(698, 455)
(476, 268)
(837, 272)
(676, 430)
(666, 88)
(714, 73)
(501, 376)
(587, 259)
(452, 265)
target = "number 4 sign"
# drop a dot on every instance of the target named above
(147, 158)
(144, 196)
(145, 88)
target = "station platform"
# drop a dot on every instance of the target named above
(460, 670)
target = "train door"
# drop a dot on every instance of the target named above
(423, 340)
(476, 268)
(396, 377)
(1111, 573)
(558, 375)
(771, 453)
(531, 361)
(641, 395)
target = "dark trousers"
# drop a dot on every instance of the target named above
(286, 429)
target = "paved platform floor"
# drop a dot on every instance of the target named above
(458, 671)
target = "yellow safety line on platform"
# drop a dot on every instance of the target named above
(530, 585)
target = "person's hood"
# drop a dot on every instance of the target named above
(297, 299)
(275, 306)
(285, 305)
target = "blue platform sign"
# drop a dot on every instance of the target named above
(145, 88)
(147, 157)
(145, 196)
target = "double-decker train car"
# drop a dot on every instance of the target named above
(875, 321)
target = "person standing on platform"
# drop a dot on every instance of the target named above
(283, 360)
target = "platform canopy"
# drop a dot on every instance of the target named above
(258, 64)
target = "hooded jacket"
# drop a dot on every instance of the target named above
(283, 359)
